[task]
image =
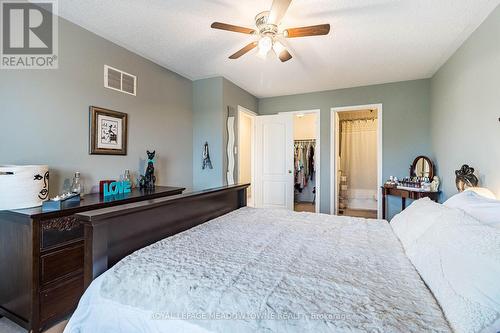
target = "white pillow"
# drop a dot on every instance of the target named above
(412, 222)
(484, 209)
(459, 260)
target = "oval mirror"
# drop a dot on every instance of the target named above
(422, 167)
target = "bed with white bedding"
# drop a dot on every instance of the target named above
(261, 270)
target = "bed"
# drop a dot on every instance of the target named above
(265, 270)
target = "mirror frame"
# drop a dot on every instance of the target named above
(414, 164)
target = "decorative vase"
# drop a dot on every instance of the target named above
(23, 186)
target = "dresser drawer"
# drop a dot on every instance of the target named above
(59, 301)
(61, 263)
(60, 230)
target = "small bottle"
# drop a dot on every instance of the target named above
(127, 178)
(76, 186)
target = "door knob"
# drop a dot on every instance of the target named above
(289, 171)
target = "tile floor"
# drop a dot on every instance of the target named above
(305, 207)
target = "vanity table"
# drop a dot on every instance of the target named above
(405, 193)
(422, 167)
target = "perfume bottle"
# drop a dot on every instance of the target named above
(76, 185)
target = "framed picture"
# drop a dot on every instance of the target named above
(108, 132)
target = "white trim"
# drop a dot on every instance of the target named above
(247, 111)
(106, 67)
(252, 115)
(317, 152)
(333, 152)
(230, 151)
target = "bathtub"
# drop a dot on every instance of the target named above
(362, 199)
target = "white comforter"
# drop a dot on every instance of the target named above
(259, 270)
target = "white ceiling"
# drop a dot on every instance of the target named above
(372, 41)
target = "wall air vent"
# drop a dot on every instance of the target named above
(120, 81)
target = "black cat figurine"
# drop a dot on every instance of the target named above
(148, 180)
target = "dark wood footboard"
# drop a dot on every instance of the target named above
(112, 233)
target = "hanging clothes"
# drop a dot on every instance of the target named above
(310, 161)
(304, 162)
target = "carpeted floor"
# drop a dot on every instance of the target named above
(6, 326)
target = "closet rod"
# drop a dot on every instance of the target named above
(307, 140)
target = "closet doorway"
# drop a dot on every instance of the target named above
(306, 161)
(305, 154)
(357, 161)
(275, 166)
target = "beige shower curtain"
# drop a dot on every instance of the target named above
(358, 161)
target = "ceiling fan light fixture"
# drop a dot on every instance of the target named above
(265, 45)
(268, 34)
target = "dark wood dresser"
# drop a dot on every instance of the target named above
(41, 258)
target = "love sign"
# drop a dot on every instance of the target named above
(115, 188)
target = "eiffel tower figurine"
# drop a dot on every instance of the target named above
(206, 158)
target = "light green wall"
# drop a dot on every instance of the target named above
(208, 121)
(465, 107)
(406, 131)
(211, 99)
(44, 114)
(234, 96)
(453, 117)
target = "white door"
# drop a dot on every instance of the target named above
(274, 161)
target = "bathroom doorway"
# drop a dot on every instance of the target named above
(357, 161)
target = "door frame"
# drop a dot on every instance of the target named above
(317, 152)
(334, 111)
(242, 111)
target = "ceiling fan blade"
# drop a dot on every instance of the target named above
(314, 30)
(278, 11)
(244, 50)
(285, 56)
(233, 28)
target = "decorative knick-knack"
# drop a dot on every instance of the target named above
(435, 184)
(76, 185)
(23, 186)
(206, 158)
(127, 177)
(148, 180)
(465, 178)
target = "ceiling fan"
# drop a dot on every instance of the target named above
(269, 35)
